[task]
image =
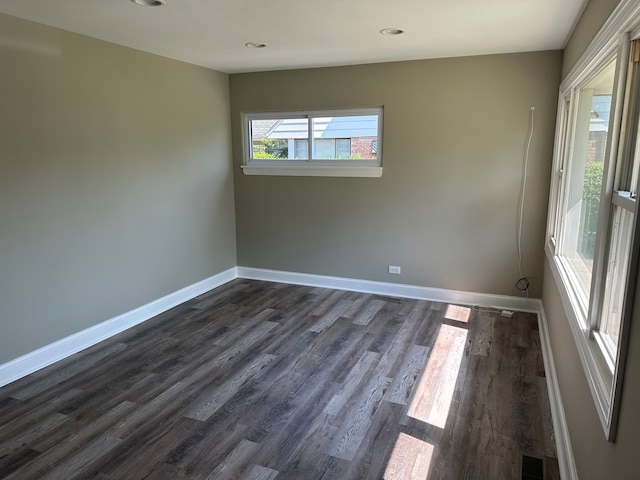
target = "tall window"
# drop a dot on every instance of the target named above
(592, 219)
(334, 143)
(583, 180)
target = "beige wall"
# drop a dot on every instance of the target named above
(445, 207)
(593, 17)
(116, 184)
(595, 457)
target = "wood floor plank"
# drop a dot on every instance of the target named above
(352, 383)
(149, 457)
(210, 401)
(405, 380)
(375, 451)
(29, 435)
(40, 383)
(66, 451)
(483, 337)
(20, 417)
(260, 380)
(18, 458)
(202, 453)
(75, 464)
(358, 420)
(371, 309)
(258, 472)
(235, 462)
(404, 338)
(328, 318)
(301, 459)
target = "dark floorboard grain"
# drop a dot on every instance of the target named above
(261, 381)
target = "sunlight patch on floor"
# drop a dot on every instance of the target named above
(458, 313)
(432, 400)
(410, 459)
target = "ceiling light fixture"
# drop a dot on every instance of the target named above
(392, 31)
(149, 3)
(255, 45)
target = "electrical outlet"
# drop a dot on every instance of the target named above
(394, 269)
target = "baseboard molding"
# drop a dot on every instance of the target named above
(566, 461)
(42, 357)
(391, 289)
(33, 361)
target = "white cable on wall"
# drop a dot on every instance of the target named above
(522, 284)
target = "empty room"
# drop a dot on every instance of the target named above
(297, 240)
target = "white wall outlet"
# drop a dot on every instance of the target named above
(394, 269)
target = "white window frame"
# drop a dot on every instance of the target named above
(311, 167)
(604, 374)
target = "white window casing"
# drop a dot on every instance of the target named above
(327, 143)
(601, 348)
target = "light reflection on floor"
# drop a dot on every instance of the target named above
(411, 459)
(434, 393)
(458, 313)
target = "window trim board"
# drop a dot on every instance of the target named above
(595, 369)
(366, 168)
(313, 171)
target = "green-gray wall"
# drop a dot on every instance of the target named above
(445, 207)
(116, 182)
(593, 17)
(595, 458)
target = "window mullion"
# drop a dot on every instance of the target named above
(310, 140)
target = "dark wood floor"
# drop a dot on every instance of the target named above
(258, 380)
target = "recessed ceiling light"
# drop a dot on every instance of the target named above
(255, 45)
(392, 31)
(149, 3)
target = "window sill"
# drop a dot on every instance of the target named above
(312, 171)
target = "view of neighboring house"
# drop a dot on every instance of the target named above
(337, 137)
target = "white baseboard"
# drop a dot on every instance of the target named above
(67, 346)
(566, 461)
(392, 289)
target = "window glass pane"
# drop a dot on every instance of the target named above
(350, 137)
(336, 138)
(343, 148)
(271, 138)
(301, 149)
(617, 267)
(584, 179)
(324, 148)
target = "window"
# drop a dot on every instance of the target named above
(592, 211)
(583, 181)
(317, 143)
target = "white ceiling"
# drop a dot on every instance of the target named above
(305, 33)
